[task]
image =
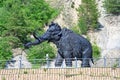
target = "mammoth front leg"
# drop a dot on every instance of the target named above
(68, 62)
(59, 60)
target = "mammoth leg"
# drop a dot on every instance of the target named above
(86, 58)
(68, 58)
(68, 62)
(59, 60)
(85, 62)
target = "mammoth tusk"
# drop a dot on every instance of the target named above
(34, 33)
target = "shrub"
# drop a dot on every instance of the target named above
(88, 16)
(18, 19)
(39, 52)
(96, 51)
(76, 29)
(5, 51)
(112, 6)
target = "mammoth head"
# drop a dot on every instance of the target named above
(53, 33)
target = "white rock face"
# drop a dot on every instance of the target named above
(19, 60)
(68, 16)
(108, 37)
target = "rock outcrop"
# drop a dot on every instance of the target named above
(108, 35)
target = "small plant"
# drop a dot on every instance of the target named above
(45, 69)
(96, 51)
(70, 75)
(115, 65)
(25, 72)
(72, 5)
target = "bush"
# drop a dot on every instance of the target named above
(20, 17)
(88, 16)
(40, 51)
(112, 6)
(96, 51)
(5, 51)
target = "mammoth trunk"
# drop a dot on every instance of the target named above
(43, 37)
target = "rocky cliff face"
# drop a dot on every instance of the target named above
(108, 38)
(68, 16)
(108, 35)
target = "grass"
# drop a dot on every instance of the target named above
(36, 66)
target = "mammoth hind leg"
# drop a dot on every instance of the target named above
(86, 57)
(59, 61)
(85, 62)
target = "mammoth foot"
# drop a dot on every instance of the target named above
(58, 62)
(85, 65)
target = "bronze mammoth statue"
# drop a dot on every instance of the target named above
(69, 44)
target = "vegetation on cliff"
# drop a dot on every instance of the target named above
(112, 6)
(18, 19)
(88, 16)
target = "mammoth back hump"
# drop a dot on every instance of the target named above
(74, 39)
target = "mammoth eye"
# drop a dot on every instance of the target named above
(51, 29)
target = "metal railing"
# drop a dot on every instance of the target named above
(44, 69)
(50, 63)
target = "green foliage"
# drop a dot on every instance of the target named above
(20, 17)
(112, 6)
(76, 29)
(5, 50)
(82, 25)
(72, 5)
(96, 51)
(40, 51)
(88, 16)
(25, 72)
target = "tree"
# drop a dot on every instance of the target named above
(18, 19)
(23, 16)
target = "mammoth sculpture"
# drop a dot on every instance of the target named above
(69, 44)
